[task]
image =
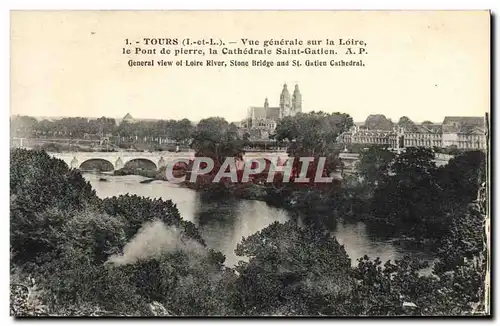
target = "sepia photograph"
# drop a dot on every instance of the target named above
(250, 163)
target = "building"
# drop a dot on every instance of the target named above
(362, 135)
(266, 117)
(454, 132)
(128, 118)
(423, 135)
(464, 132)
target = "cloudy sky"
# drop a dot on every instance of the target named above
(424, 65)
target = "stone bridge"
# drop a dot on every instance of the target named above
(156, 160)
(150, 160)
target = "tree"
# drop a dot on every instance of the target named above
(77, 274)
(188, 283)
(409, 198)
(65, 237)
(90, 255)
(41, 188)
(387, 290)
(75, 127)
(457, 286)
(106, 125)
(44, 127)
(126, 130)
(462, 176)
(374, 165)
(180, 130)
(378, 122)
(291, 271)
(464, 240)
(23, 126)
(313, 133)
(138, 210)
(463, 262)
(217, 139)
(406, 123)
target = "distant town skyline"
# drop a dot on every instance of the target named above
(71, 64)
(118, 118)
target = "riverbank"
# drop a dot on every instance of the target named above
(324, 206)
(224, 220)
(300, 197)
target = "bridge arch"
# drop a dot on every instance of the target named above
(99, 164)
(141, 163)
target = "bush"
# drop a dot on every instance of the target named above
(93, 257)
(44, 191)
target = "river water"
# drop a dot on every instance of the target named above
(224, 223)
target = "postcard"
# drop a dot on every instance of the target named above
(250, 163)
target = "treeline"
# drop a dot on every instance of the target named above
(80, 128)
(321, 125)
(380, 122)
(407, 194)
(400, 195)
(128, 255)
(311, 134)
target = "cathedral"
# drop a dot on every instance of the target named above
(266, 117)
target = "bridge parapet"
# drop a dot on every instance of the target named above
(117, 159)
(160, 159)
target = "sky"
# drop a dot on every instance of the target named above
(424, 65)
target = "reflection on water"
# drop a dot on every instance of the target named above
(130, 184)
(223, 223)
(357, 243)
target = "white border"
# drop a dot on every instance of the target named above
(189, 5)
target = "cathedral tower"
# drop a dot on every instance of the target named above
(296, 101)
(285, 102)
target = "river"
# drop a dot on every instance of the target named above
(224, 223)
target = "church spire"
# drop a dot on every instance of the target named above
(296, 100)
(266, 104)
(285, 102)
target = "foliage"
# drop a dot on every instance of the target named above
(407, 124)
(79, 272)
(64, 236)
(79, 128)
(413, 191)
(187, 282)
(378, 122)
(43, 190)
(180, 130)
(22, 125)
(383, 290)
(289, 270)
(409, 196)
(137, 210)
(464, 241)
(463, 175)
(217, 139)
(313, 133)
(374, 165)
